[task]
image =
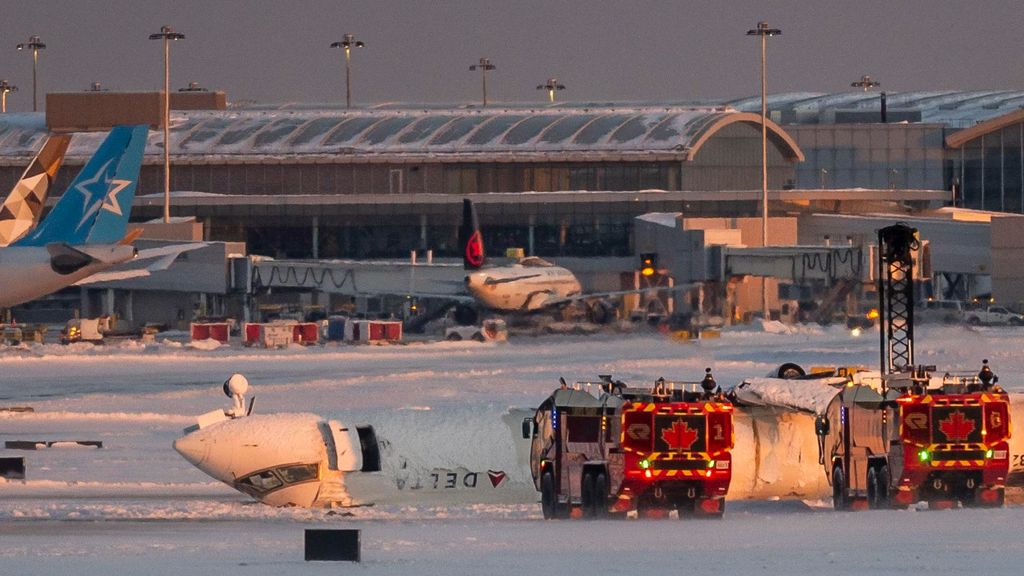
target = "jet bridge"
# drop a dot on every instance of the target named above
(796, 263)
(350, 278)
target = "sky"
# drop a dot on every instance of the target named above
(272, 51)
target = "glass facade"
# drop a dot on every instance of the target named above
(989, 171)
(880, 156)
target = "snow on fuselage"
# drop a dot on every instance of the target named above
(477, 454)
(408, 457)
(522, 287)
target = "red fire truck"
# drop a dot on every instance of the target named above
(912, 436)
(941, 444)
(606, 448)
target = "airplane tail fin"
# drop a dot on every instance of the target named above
(72, 218)
(20, 211)
(111, 220)
(470, 239)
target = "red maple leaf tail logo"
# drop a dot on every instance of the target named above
(679, 436)
(475, 250)
(957, 427)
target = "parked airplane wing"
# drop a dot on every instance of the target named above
(617, 293)
(146, 262)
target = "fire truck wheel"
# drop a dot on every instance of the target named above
(587, 494)
(548, 498)
(790, 371)
(840, 500)
(600, 495)
(878, 487)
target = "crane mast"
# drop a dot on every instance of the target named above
(896, 244)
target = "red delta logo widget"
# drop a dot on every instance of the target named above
(679, 436)
(957, 427)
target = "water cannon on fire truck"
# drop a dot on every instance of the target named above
(604, 448)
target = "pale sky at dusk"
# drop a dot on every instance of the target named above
(601, 50)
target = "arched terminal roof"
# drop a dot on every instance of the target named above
(961, 137)
(570, 133)
(954, 108)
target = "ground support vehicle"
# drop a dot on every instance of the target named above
(940, 445)
(993, 316)
(620, 449)
(909, 436)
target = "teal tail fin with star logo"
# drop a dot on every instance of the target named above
(101, 195)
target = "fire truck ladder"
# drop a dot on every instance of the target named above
(896, 296)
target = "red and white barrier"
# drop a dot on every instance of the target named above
(280, 334)
(219, 331)
(376, 331)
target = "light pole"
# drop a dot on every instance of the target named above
(35, 45)
(167, 34)
(865, 83)
(764, 32)
(551, 86)
(483, 66)
(5, 89)
(348, 42)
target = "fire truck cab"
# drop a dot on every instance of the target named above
(606, 448)
(941, 440)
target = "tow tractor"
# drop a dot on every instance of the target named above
(907, 435)
(605, 448)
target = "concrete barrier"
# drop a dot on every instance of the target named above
(340, 545)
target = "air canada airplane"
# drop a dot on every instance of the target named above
(85, 231)
(530, 284)
(20, 211)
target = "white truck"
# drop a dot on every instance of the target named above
(992, 316)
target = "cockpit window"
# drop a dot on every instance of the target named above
(297, 473)
(260, 483)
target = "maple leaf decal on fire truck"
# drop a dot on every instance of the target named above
(957, 427)
(679, 436)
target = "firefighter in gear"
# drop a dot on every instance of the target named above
(708, 384)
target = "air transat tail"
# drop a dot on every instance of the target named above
(20, 211)
(100, 189)
(470, 239)
(112, 219)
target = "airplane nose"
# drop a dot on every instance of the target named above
(193, 449)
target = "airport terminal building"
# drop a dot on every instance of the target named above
(566, 179)
(563, 180)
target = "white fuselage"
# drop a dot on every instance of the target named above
(521, 288)
(305, 460)
(27, 272)
(270, 456)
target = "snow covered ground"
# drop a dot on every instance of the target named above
(135, 506)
